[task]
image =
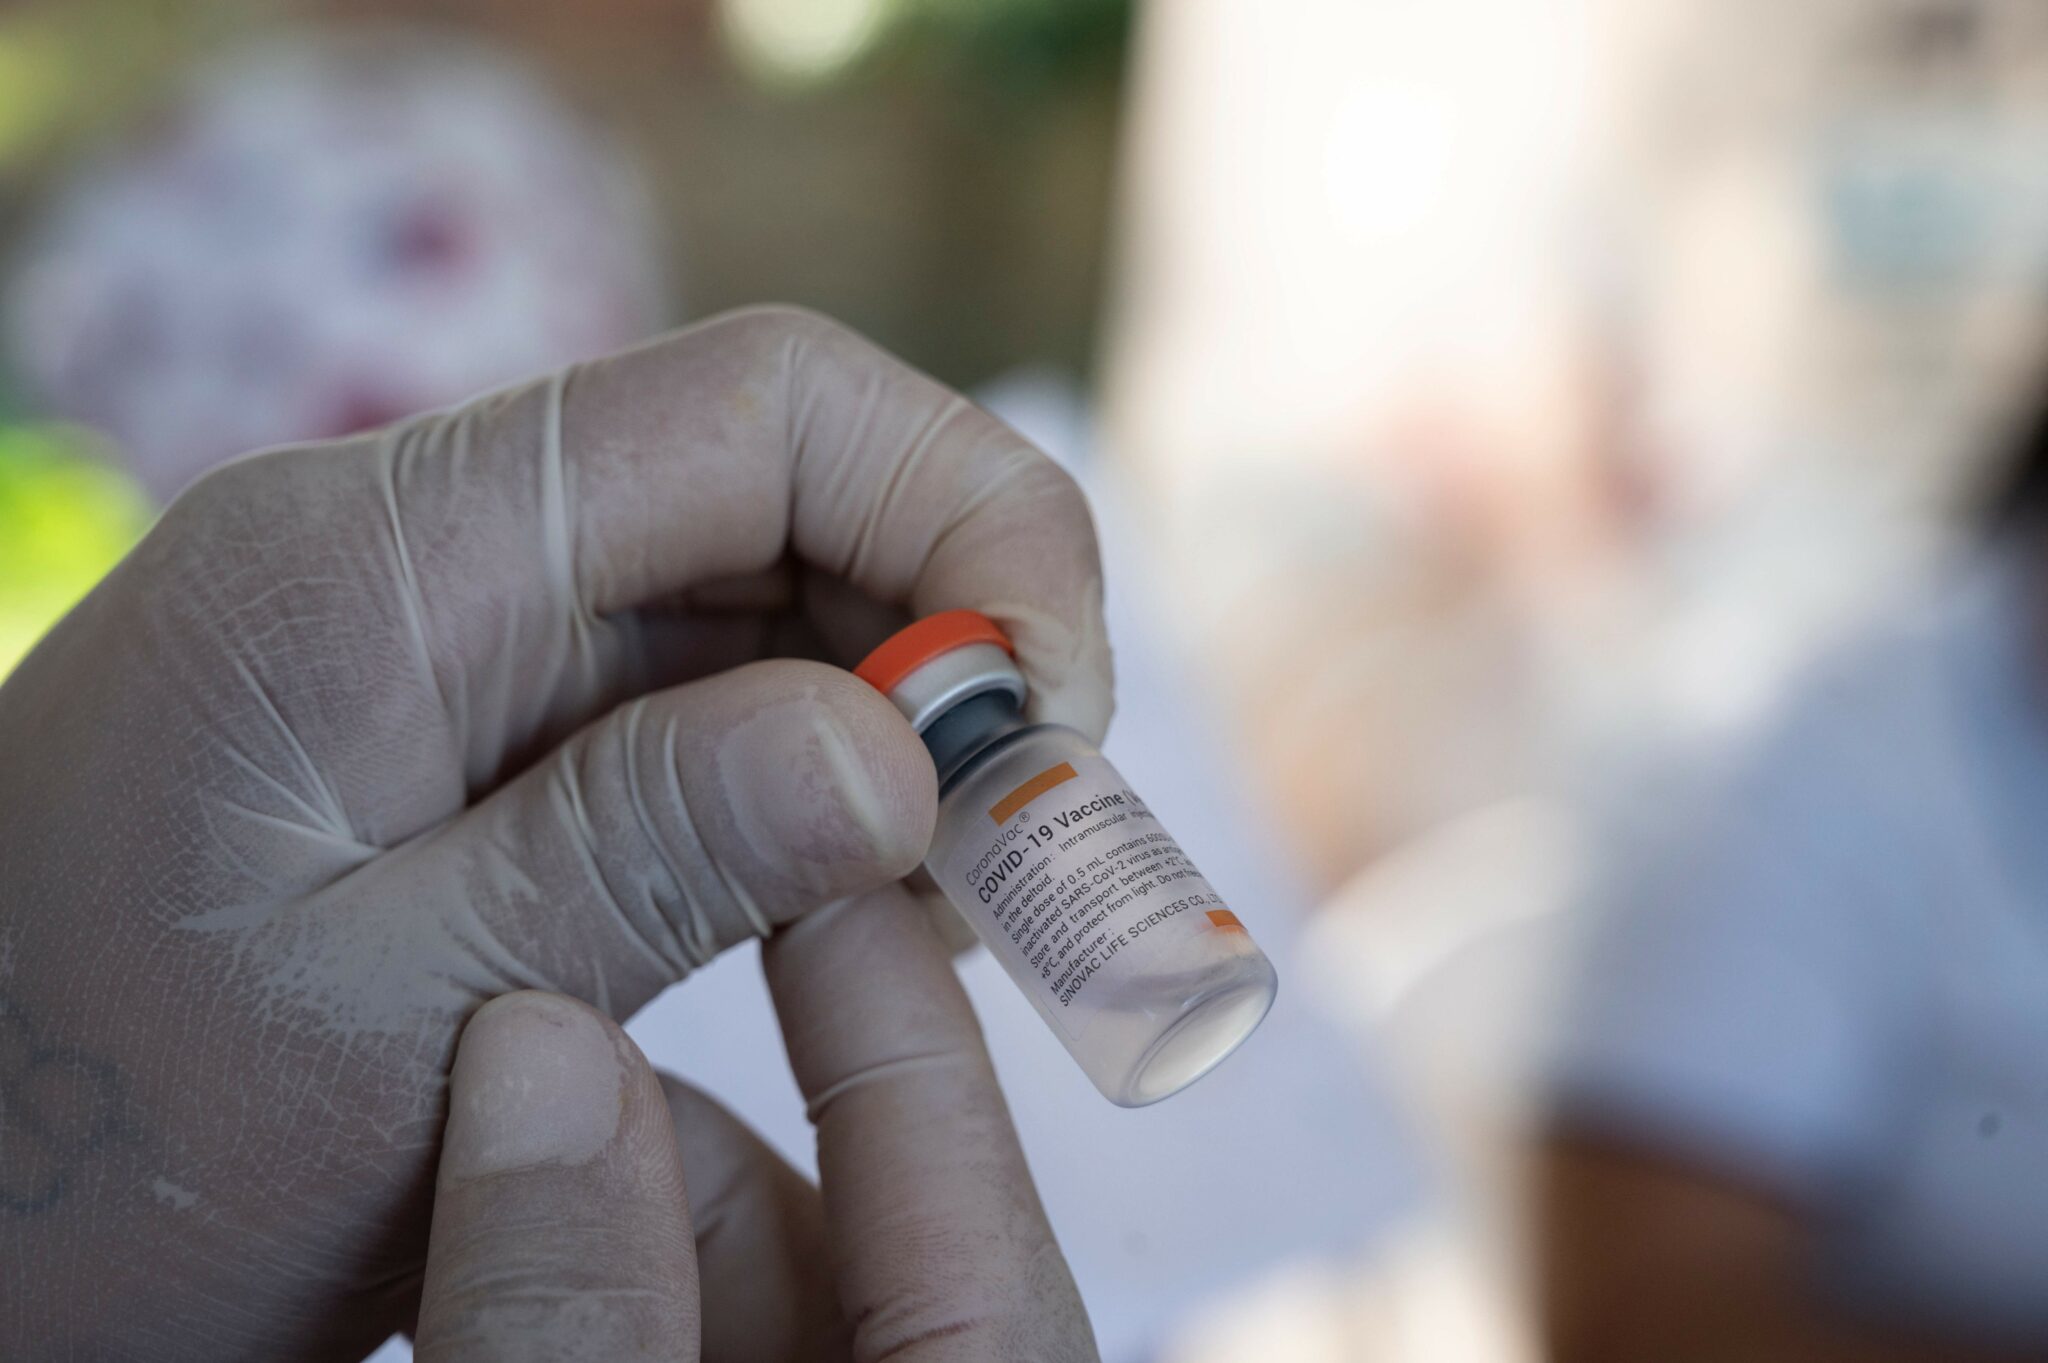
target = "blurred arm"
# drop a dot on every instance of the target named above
(1643, 1257)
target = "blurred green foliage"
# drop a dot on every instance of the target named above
(1018, 48)
(66, 517)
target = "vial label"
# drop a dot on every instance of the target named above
(1084, 890)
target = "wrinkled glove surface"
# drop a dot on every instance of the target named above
(521, 695)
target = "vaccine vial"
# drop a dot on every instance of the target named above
(1133, 959)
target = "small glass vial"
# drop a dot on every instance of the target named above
(1092, 908)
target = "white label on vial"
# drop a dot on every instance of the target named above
(1075, 871)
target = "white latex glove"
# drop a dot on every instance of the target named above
(562, 1220)
(364, 734)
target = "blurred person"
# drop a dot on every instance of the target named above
(321, 234)
(1799, 1102)
(1521, 386)
(1598, 351)
(523, 695)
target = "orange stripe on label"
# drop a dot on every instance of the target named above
(1031, 790)
(1226, 920)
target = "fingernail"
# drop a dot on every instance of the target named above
(537, 1080)
(804, 781)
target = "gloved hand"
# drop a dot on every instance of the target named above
(562, 1224)
(364, 734)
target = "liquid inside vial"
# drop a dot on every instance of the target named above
(1096, 913)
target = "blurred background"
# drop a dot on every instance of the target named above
(1488, 405)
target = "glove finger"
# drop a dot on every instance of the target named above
(677, 826)
(762, 1269)
(560, 1224)
(523, 523)
(941, 1248)
(850, 623)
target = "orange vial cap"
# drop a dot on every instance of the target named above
(916, 644)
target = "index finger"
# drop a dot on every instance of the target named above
(561, 1227)
(939, 1244)
(718, 450)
